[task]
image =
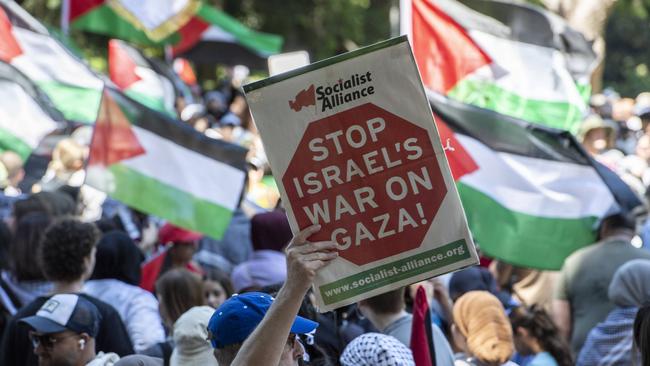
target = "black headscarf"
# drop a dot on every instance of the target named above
(117, 258)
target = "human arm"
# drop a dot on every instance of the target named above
(266, 344)
(562, 317)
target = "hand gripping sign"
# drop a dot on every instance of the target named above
(353, 146)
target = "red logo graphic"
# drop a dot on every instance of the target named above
(304, 98)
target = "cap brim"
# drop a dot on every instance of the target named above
(43, 325)
(303, 326)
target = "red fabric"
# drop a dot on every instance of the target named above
(422, 354)
(151, 270)
(190, 34)
(444, 52)
(304, 98)
(9, 47)
(183, 69)
(460, 161)
(81, 7)
(173, 234)
(121, 67)
(113, 139)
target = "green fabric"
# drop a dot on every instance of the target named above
(76, 104)
(522, 239)
(262, 43)
(156, 104)
(485, 94)
(149, 195)
(8, 141)
(584, 282)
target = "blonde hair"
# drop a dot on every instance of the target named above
(67, 156)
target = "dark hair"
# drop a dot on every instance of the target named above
(217, 275)
(387, 303)
(118, 258)
(28, 205)
(642, 333)
(540, 325)
(65, 246)
(5, 245)
(178, 291)
(27, 241)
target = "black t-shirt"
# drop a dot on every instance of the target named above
(17, 349)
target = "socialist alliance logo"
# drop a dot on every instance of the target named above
(304, 98)
(355, 86)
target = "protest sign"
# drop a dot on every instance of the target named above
(353, 147)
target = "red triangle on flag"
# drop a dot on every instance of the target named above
(9, 46)
(121, 67)
(460, 161)
(113, 139)
(190, 34)
(443, 50)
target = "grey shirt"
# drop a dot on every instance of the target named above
(401, 329)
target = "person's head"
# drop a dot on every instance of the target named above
(643, 148)
(534, 332)
(376, 349)
(642, 333)
(236, 319)
(217, 287)
(178, 290)
(192, 346)
(481, 328)
(63, 331)
(14, 165)
(68, 156)
(183, 243)
(596, 135)
(57, 203)
(117, 258)
(389, 303)
(630, 286)
(68, 250)
(196, 116)
(27, 241)
(27, 205)
(617, 224)
(471, 279)
(270, 231)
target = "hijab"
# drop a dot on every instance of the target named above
(630, 286)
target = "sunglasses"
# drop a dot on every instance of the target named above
(46, 340)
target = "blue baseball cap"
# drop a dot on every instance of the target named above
(236, 319)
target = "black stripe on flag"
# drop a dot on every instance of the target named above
(179, 133)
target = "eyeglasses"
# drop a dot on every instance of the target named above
(46, 340)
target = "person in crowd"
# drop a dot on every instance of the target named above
(598, 138)
(178, 290)
(270, 234)
(115, 281)
(15, 172)
(192, 347)
(25, 279)
(63, 333)
(67, 255)
(536, 335)
(477, 279)
(179, 248)
(216, 287)
(439, 302)
(581, 299)
(527, 286)
(481, 330)
(387, 313)
(66, 167)
(196, 116)
(376, 349)
(139, 360)
(254, 329)
(609, 342)
(641, 334)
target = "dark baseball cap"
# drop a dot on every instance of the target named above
(236, 319)
(65, 312)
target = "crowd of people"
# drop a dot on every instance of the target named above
(87, 280)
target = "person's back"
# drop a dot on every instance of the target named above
(585, 279)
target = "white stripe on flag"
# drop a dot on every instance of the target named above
(537, 187)
(187, 170)
(215, 33)
(21, 116)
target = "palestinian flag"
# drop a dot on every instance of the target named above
(67, 81)
(132, 72)
(150, 21)
(160, 166)
(217, 37)
(531, 194)
(26, 114)
(422, 346)
(515, 59)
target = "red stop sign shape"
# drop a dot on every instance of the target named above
(369, 178)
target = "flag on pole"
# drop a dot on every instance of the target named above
(67, 81)
(422, 346)
(132, 72)
(26, 114)
(499, 60)
(531, 194)
(160, 166)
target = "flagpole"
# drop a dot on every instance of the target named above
(65, 16)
